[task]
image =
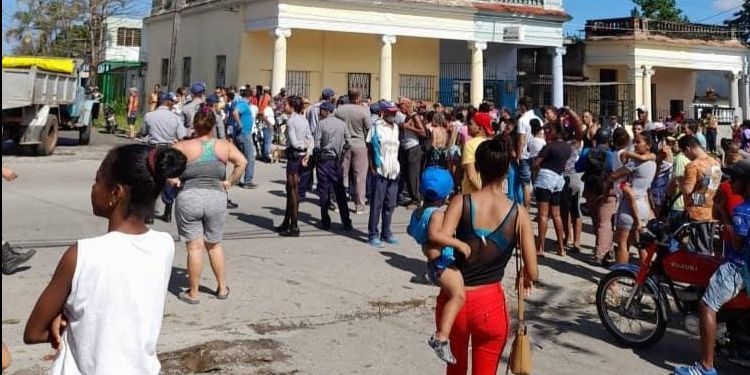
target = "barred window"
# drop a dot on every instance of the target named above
(128, 37)
(361, 82)
(298, 83)
(186, 67)
(417, 87)
(221, 70)
(164, 71)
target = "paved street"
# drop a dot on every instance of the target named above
(323, 303)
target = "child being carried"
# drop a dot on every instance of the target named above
(426, 227)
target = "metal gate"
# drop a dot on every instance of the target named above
(298, 83)
(360, 82)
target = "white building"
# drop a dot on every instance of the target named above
(123, 39)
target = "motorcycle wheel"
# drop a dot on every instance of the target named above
(641, 325)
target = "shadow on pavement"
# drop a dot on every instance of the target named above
(575, 270)
(416, 266)
(178, 282)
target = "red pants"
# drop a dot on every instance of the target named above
(484, 320)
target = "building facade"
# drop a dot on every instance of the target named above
(122, 68)
(655, 64)
(455, 51)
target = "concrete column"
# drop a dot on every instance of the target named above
(477, 72)
(647, 73)
(636, 78)
(734, 92)
(386, 66)
(746, 97)
(278, 74)
(557, 76)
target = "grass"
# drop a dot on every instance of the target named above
(122, 123)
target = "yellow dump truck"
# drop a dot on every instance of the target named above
(42, 96)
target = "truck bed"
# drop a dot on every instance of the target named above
(25, 87)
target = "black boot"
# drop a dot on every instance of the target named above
(12, 260)
(292, 231)
(167, 215)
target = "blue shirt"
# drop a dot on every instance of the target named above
(247, 116)
(701, 139)
(741, 228)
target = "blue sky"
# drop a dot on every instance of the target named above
(704, 11)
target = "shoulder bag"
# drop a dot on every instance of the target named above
(520, 353)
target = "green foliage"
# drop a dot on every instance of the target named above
(119, 107)
(741, 22)
(662, 10)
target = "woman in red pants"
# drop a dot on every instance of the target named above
(486, 221)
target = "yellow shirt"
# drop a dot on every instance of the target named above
(468, 156)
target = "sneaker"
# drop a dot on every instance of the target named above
(376, 243)
(391, 240)
(442, 349)
(696, 369)
(249, 185)
(231, 205)
(291, 232)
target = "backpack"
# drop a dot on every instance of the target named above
(596, 171)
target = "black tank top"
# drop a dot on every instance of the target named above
(490, 251)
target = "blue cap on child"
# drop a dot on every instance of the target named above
(437, 184)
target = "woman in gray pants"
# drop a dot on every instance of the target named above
(201, 205)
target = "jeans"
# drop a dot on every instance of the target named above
(711, 140)
(245, 144)
(382, 203)
(483, 320)
(267, 142)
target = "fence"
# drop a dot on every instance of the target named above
(604, 99)
(643, 27)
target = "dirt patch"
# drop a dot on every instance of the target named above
(226, 357)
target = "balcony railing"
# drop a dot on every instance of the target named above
(643, 28)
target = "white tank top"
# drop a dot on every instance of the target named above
(116, 305)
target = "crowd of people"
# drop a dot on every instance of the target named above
(470, 175)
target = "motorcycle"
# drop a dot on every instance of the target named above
(632, 303)
(110, 121)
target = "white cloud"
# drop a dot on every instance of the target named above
(723, 5)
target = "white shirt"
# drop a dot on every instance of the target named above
(536, 144)
(270, 117)
(388, 137)
(524, 127)
(116, 305)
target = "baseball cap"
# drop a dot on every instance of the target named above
(327, 94)
(328, 106)
(388, 106)
(198, 88)
(484, 120)
(739, 170)
(436, 184)
(212, 99)
(375, 108)
(168, 96)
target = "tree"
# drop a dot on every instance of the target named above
(662, 10)
(741, 22)
(67, 28)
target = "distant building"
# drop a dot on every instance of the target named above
(453, 51)
(122, 68)
(642, 62)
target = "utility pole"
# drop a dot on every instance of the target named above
(176, 19)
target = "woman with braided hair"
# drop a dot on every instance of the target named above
(103, 308)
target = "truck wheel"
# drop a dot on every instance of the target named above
(49, 137)
(84, 136)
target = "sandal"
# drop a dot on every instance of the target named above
(184, 297)
(222, 296)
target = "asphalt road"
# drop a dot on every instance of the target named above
(323, 303)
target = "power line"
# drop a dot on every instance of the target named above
(720, 13)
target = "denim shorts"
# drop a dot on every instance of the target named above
(436, 267)
(725, 284)
(524, 171)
